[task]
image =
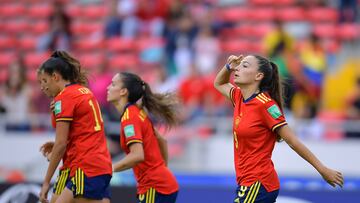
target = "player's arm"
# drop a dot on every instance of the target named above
(331, 176)
(222, 79)
(162, 145)
(135, 156)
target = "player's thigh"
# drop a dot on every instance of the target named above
(66, 196)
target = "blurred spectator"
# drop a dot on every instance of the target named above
(152, 16)
(353, 109)
(207, 50)
(279, 46)
(121, 19)
(59, 37)
(191, 91)
(313, 59)
(278, 39)
(16, 98)
(348, 11)
(179, 40)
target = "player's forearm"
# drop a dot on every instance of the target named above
(305, 153)
(223, 77)
(128, 162)
(57, 154)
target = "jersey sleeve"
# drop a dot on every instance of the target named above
(64, 109)
(131, 127)
(234, 95)
(273, 116)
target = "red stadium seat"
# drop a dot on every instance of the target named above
(12, 10)
(6, 58)
(86, 28)
(40, 27)
(123, 62)
(94, 12)
(74, 10)
(260, 30)
(92, 60)
(88, 44)
(41, 11)
(234, 14)
(262, 14)
(144, 43)
(272, 2)
(348, 31)
(16, 26)
(7, 42)
(3, 75)
(236, 46)
(291, 14)
(119, 44)
(28, 43)
(325, 30)
(323, 14)
(33, 60)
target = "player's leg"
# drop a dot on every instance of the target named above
(66, 196)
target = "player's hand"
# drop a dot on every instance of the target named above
(332, 177)
(234, 61)
(46, 149)
(44, 193)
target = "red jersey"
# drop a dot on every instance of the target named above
(136, 127)
(254, 124)
(86, 148)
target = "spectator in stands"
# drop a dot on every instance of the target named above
(151, 15)
(279, 46)
(258, 123)
(207, 50)
(121, 20)
(353, 110)
(16, 98)
(178, 45)
(146, 150)
(313, 61)
(348, 10)
(60, 35)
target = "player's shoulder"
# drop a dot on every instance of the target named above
(131, 112)
(264, 100)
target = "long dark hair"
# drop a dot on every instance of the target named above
(271, 81)
(67, 66)
(162, 106)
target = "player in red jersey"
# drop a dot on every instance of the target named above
(146, 149)
(258, 123)
(79, 132)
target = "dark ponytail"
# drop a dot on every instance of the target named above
(271, 81)
(67, 66)
(162, 106)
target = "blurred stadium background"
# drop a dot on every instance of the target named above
(178, 46)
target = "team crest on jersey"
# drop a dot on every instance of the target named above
(274, 111)
(129, 131)
(57, 107)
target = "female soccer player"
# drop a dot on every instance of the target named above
(79, 132)
(145, 148)
(258, 123)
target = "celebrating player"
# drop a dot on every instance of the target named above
(258, 123)
(145, 148)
